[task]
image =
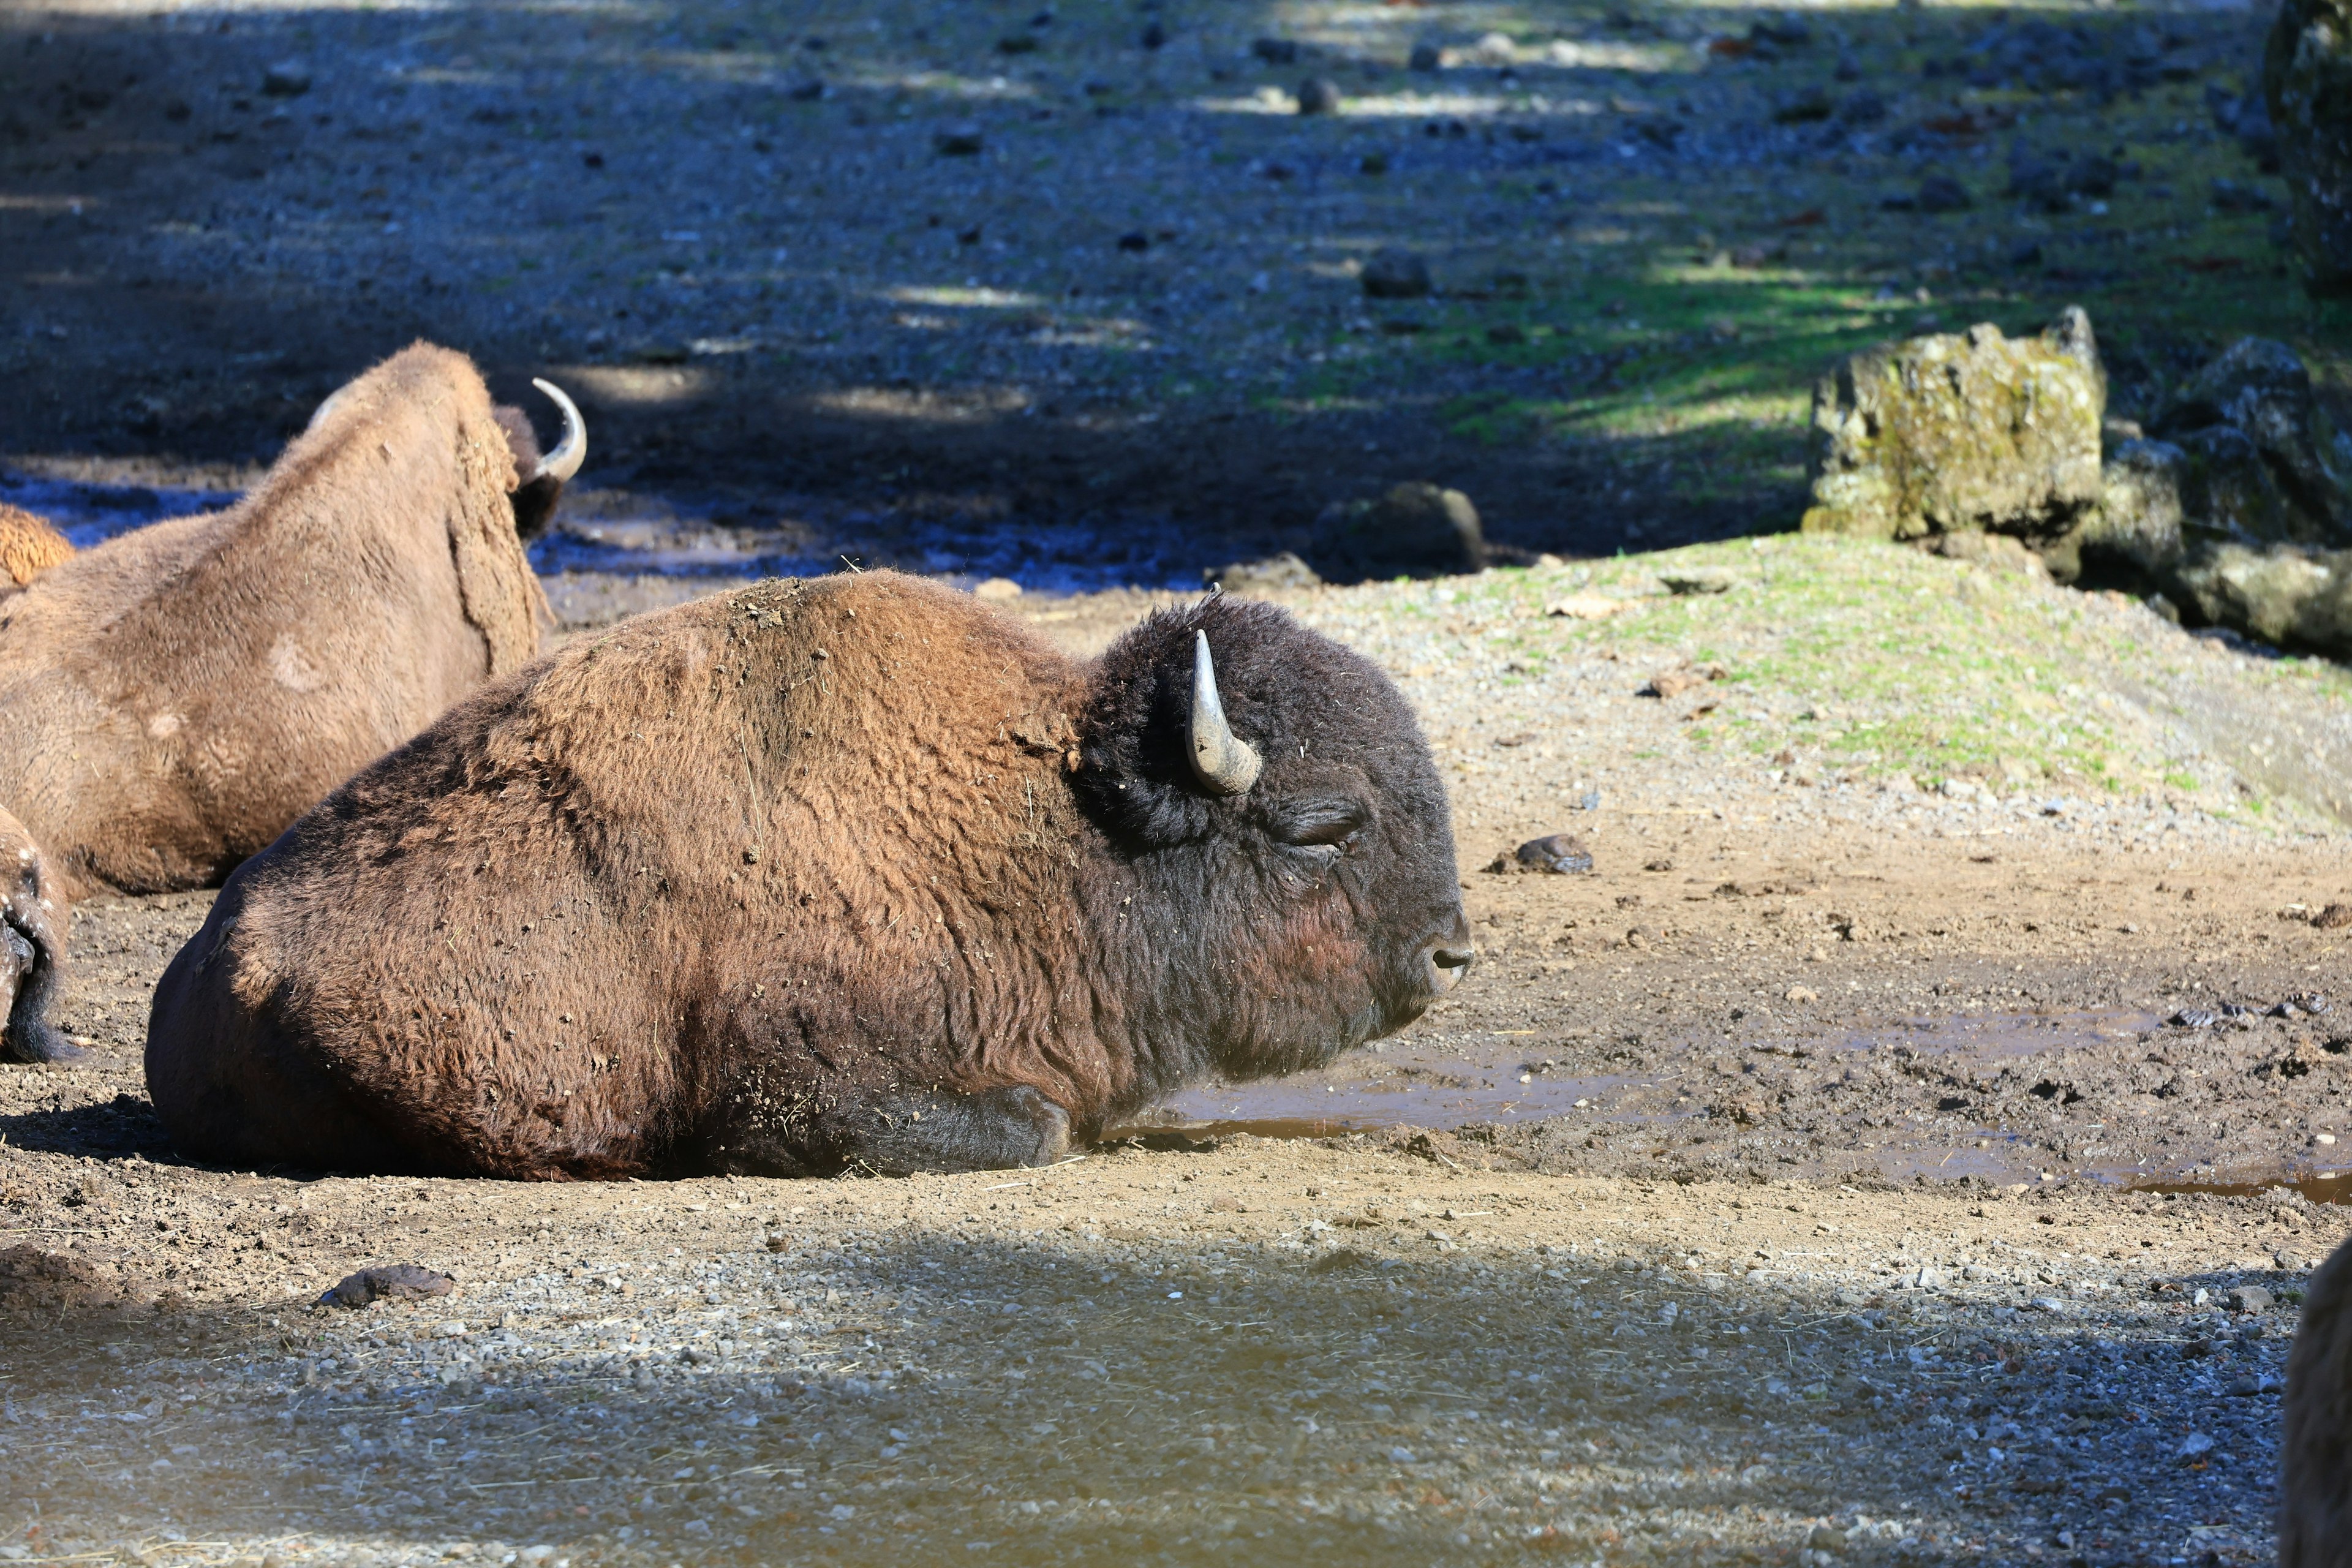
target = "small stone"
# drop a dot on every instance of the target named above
(2252, 1301)
(1318, 95)
(1401, 1456)
(1018, 44)
(1804, 108)
(1285, 572)
(287, 79)
(1425, 57)
(1686, 580)
(1861, 107)
(452, 1330)
(1276, 51)
(1507, 334)
(808, 91)
(997, 590)
(1135, 242)
(1585, 608)
(2334, 917)
(1558, 853)
(1942, 193)
(1801, 993)
(1825, 1538)
(957, 141)
(1393, 273)
(2196, 1446)
(397, 1282)
(1154, 36)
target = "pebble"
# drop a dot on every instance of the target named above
(1561, 853)
(1276, 51)
(1320, 95)
(1943, 193)
(957, 141)
(287, 79)
(1425, 57)
(1394, 273)
(2252, 1300)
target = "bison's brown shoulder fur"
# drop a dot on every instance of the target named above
(28, 546)
(2315, 1437)
(176, 694)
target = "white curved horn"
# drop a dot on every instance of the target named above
(1220, 759)
(573, 450)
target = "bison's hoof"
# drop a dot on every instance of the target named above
(1051, 1122)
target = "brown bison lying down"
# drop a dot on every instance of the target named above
(176, 696)
(2315, 1527)
(29, 547)
(848, 872)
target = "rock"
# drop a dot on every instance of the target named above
(1394, 273)
(1318, 95)
(1276, 51)
(1018, 44)
(1960, 431)
(2196, 1446)
(287, 79)
(1557, 854)
(1416, 529)
(2308, 90)
(2252, 1301)
(1154, 36)
(1942, 193)
(997, 590)
(1993, 551)
(395, 1282)
(1494, 50)
(1285, 572)
(1825, 1538)
(1425, 57)
(1586, 607)
(1686, 580)
(1812, 104)
(1861, 108)
(1801, 993)
(957, 141)
(2261, 389)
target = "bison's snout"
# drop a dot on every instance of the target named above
(1446, 964)
(1447, 957)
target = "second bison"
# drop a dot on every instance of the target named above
(812, 875)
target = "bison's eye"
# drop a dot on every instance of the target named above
(1319, 823)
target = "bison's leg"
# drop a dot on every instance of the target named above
(28, 977)
(994, 1129)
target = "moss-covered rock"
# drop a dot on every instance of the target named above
(2307, 84)
(1958, 432)
(1416, 530)
(2265, 465)
(2283, 594)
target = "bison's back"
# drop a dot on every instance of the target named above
(176, 696)
(539, 939)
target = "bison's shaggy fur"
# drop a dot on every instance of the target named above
(815, 873)
(29, 547)
(2315, 1526)
(176, 697)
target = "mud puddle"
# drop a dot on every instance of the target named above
(1710, 1092)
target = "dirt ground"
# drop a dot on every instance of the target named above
(1831, 1170)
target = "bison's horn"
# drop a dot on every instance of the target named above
(573, 450)
(1223, 760)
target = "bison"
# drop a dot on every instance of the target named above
(2314, 1521)
(29, 547)
(854, 871)
(32, 947)
(178, 695)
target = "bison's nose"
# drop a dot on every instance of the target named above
(1444, 964)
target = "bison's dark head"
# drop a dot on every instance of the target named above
(1281, 858)
(542, 478)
